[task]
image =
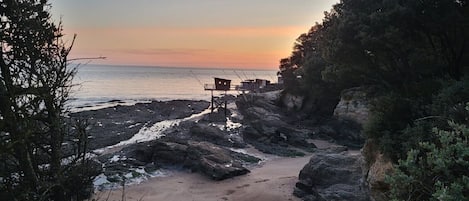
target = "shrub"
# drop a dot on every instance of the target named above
(390, 115)
(435, 170)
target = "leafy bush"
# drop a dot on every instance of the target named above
(435, 170)
(391, 115)
(399, 122)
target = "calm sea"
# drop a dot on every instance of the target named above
(104, 85)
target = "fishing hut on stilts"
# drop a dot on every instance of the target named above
(220, 85)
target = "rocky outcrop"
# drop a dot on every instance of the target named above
(212, 160)
(376, 168)
(343, 132)
(112, 125)
(206, 132)
(267, 127)
(332, 176)
(354, 105)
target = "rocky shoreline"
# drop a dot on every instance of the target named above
(210, 143)
(112, 125)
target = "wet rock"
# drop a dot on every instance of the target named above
(116, 165)
(111, 125)
(204, 132)
(277, 149)
(169, 152)
(158, 151)
(332, 176)
(213, 161)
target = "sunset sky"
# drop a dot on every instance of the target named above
(188, 33)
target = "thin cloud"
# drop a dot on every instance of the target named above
(163, 51)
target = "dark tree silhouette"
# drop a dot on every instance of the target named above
(34, 87)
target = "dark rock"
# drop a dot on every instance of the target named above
(140, 151)
(343, 132)
(204, 132)
(159, 151)
(332, 177)
(111, 125)
(218, 115)
(119, 163)
(213, 161)
(267, 128)
(276, 149)
(169, 152)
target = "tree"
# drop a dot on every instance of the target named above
(34, 87)
(396, 43)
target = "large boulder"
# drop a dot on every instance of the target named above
(267, 127)
(168, 152)
(214, 161)
(332, 176)
(205, 132)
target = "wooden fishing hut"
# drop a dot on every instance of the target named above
(220, 84)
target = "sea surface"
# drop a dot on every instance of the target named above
(106, 85)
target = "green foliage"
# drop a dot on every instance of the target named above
(391, 124)
(435, 170)
(449, 102)
(302, 73)
(417, 54)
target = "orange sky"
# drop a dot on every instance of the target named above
(234, 42)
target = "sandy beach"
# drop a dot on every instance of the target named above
(272, 181)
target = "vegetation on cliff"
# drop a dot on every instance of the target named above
(416, 54)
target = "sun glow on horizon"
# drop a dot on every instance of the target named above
(256, 40)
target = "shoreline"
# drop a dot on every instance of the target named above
(274, 180)
(173, 156)
(111, 125)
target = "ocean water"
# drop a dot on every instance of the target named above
(105, 85)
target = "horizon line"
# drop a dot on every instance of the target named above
(182, 67)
